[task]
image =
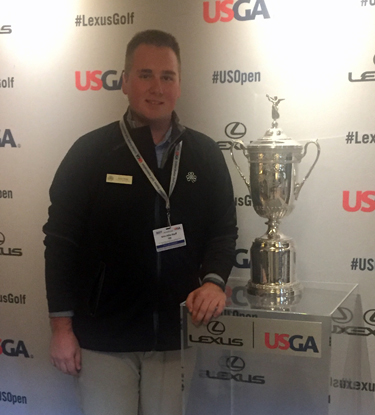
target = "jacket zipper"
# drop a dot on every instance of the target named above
(158, 276)
(158, 254)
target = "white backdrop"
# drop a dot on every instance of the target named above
(319, 56)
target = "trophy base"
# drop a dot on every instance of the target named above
(273, 279)
(275, 290)
(274, 296)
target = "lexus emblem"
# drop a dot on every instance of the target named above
(235, 130)
(369, 317)
(216, 328)
(342, 315)
(235, 363)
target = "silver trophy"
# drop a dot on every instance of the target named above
(273, 187)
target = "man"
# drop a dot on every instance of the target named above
(142, 218)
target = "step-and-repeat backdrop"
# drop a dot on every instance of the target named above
(60, 75)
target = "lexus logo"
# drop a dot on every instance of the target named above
(342, 315)
(216, 328)
(235, 130)
(369, 317)
(235, 363)
(2, 238)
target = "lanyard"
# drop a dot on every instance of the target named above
(149, 174)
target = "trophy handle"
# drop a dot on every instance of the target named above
(298, 186)
(234, 141)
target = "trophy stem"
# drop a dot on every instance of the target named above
(273, 229)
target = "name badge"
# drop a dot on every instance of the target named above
(169, 238)
(119, 179)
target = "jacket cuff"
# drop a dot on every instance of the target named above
(62, 314)
(215, 279)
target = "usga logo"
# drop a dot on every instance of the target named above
(7, 139)
(240, 11)
(242, 200)
(363, 201)
(242, 258)
(12, 348)
(296, 343)
(96, 80)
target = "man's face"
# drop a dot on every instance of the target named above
(153, 84)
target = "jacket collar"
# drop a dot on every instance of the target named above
(142, 137)
(177, 127)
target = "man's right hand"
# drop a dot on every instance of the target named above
(65, 353)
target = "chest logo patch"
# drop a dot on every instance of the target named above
(191, 177)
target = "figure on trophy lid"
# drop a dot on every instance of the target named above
(275, 102)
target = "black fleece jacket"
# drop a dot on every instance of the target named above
(101, 260)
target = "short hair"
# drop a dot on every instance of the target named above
(151, 37)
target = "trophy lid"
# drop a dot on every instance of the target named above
(275, 139)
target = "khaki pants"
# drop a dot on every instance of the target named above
(140, 383)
